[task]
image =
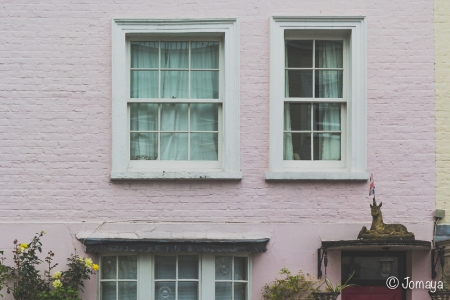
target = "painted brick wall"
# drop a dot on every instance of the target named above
(442, 45)
(55, 121)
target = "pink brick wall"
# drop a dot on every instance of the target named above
(55, 121)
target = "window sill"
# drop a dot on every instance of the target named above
(194, 175)
(353, 176)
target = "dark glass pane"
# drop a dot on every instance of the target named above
(327, 146)
(299, 54)
(109, 267)
(240, 268)
(223, 291)
(328, 84)
(297, 146)
(188, 267)
(187, 290)
(165, 267)
(327, 116)
(165, 290)
(297, 116)
(240, 291)
(299, 83)
(329, 54)
(108, 291)
(127, 290)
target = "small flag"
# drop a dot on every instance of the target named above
(372, 186)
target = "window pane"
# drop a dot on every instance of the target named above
(297, 116)
(223, 290)
(143, 117)
(108, 267)
(328, 84)
(165, 267)
(188, 267)
(223, 268)
(299, 83)
(327, 116)
(187, 290)
(204, 117)
(108, 291)
(299, 54)
(205, 84)
(144, 84)
(165, 290)
(144, 54)
(127, 290)
(205, 55)
(240, 291)
(127, 267)
(174, 146)
(297, 146)
(143, 146)
(174, 84)
(327, 146)
(329, 54)
(174, 117)
(240, 268)
(204, 146)
(174, 55)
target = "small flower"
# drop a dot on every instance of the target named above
(57, 284)
(56, 275)
(24, 245)
(88, 262)
(95, 267)
(43, 232)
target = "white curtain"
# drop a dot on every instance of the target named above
(174, 84)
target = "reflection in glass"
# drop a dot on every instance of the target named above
(174, 146)
(108, 267)
(297, 146)
(329, 54)
(327, 116)
(240, 268)
(143, 117)
(165, 267)
(204, 117)
(223, 267)
(165, 290)
(128, 267)
(108, 290)
(299, 83)
(128, 290)
(328, 84)
(223, 291)
(299, 54)
(297, 116)
(327, 146)
(188, 267)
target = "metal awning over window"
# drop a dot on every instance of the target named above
(96, 245)
(367, 245)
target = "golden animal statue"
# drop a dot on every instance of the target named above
(379, 230)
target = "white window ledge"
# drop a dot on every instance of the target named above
(177, 175)
(317, 176)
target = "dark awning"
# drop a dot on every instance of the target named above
(371, 245)
(96, 245)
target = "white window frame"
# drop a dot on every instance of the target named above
(353, 162)
(228, 165)
(146, 277)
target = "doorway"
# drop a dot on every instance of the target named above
(366, 270)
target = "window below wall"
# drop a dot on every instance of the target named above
(175, 277)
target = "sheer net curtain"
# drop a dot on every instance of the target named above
(178, 79)
(326, 117)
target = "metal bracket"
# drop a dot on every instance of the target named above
(437, 255)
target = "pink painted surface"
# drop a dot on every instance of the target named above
(55, 132)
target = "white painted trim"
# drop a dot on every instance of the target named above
(229, 162)
(356, 132)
